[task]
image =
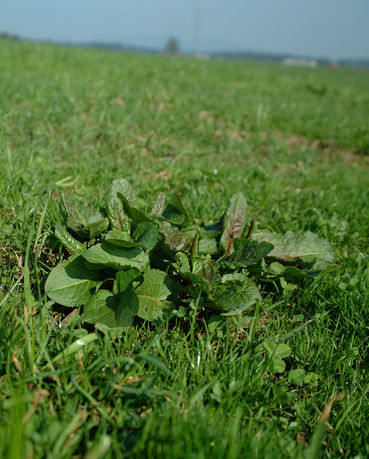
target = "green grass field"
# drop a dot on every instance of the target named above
(295, 142)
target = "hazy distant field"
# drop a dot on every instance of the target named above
(295, 141)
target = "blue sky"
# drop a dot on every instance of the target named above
(327, 28)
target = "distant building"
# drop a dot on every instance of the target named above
(296, 62)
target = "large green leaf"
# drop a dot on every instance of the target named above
(152, 294)
(182, 257)
(208, 246)
(162, 253)
(182, 264)
(86, 222)
(203, 278)
(215, 229)
(101, 308)
(175, 211)
(208, 270)
(235, 294)
(127, 307)
(146, 234)
(107, 254)
(133, 213)
(120, 238)
(174, 237)
(68, 240)
(123, 187)
(70, 283)
(195, 284)
(306, 246)
(118, 219)
(111, 310)
(234, 221)
(123, 279)
(246, 253)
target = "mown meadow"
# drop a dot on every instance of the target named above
(295, 142)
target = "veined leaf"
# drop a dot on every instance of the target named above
(146, 234)
(208, 246)
(123, 279)
(86, 222)
(235, 294)
(208, 270)
(246, 253)
(162, 253)
(306, 246)
(173, 237)
(216, 228)
(158, 208)
(120, 238)
(197, 284)
(118, 219)
(107, 254)
(181, 255)
(111, 310)
(233, 277)
(70, 283)
(101, 308)
(68, 240)
(175, 211)
(123, 187)
(234, 221)
(127, 307)
(182, 263)
(133, 213)
(203, 276)
(152, 293)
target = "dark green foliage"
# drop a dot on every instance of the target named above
(71, 282)
(136, 244)
(118, 219)
(68, 241)
(85, 222)
(247, 253)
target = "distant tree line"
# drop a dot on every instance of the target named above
(8, 36)
(172, 46)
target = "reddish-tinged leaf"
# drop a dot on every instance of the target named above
(234, 221)
(159, 204)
